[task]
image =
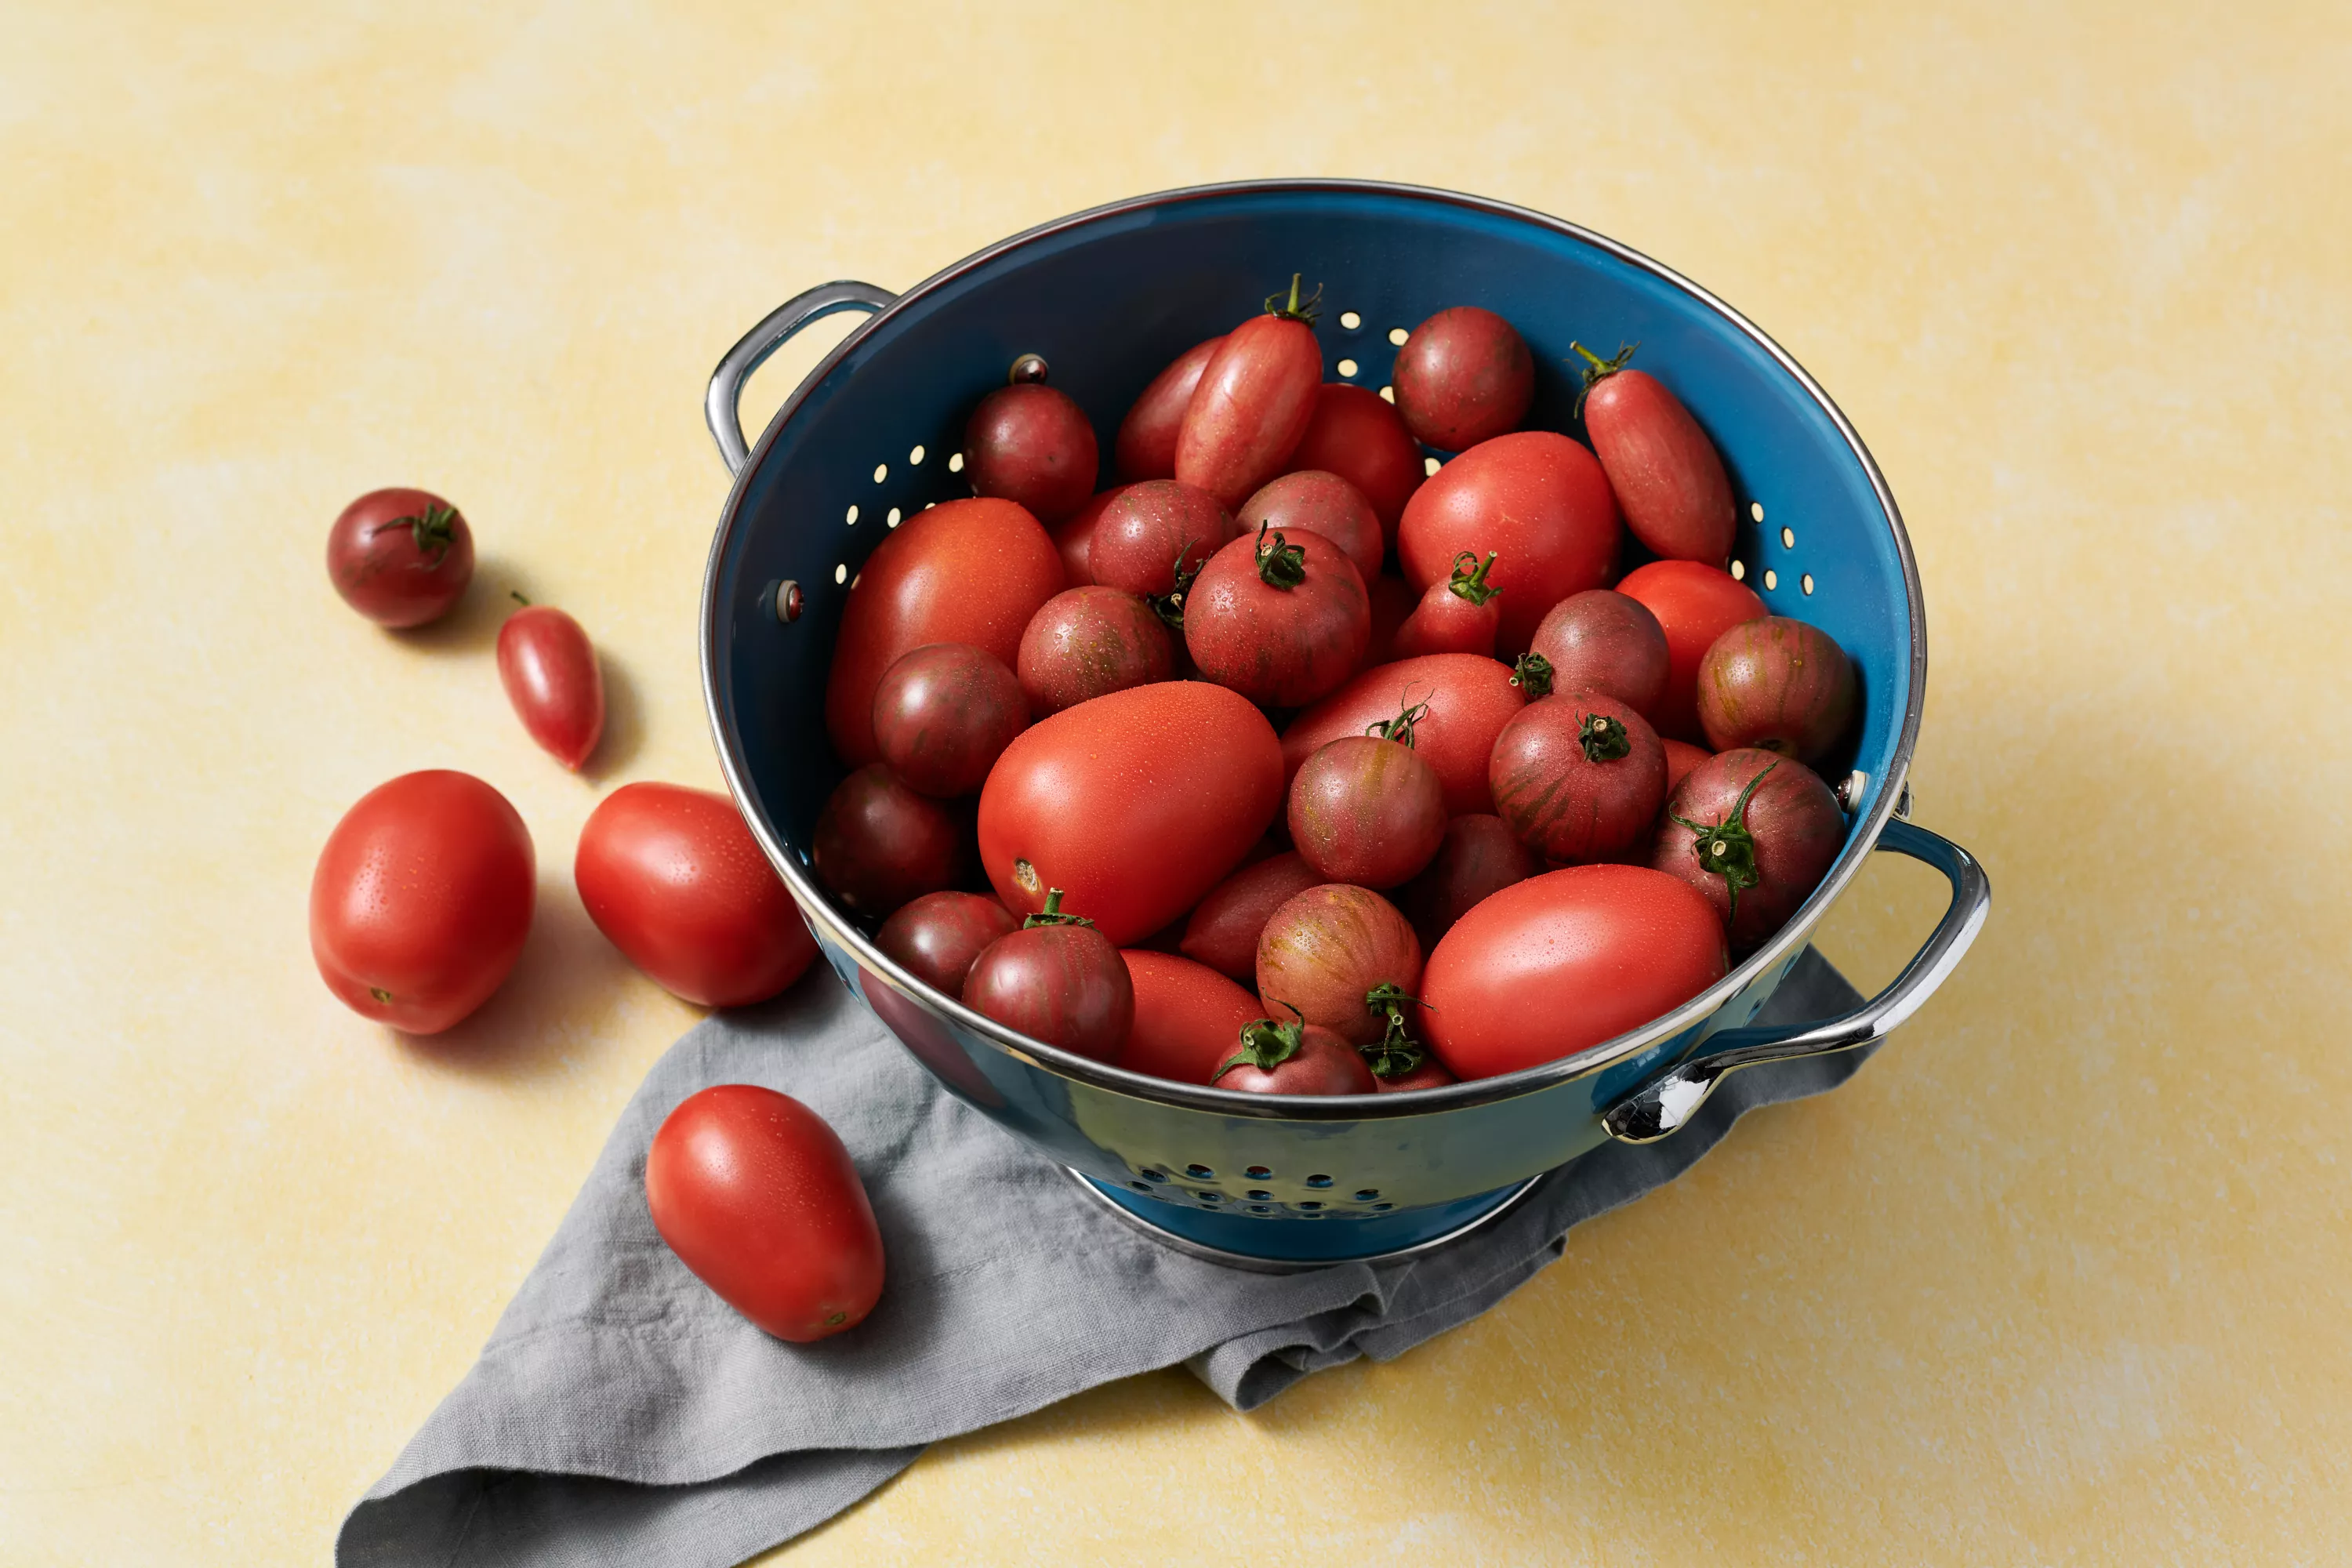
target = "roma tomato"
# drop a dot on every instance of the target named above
(1775, 683)
(1155, 536)
(1463, 376)
(674, 878)
(1458, 616)
(1188, 1017)
(1579, 778)
(759, 1200)
(549, 671)
(1564, 961)
(1341, 956)
(1756, 833)
(1224, 926)
(937, 936)
(1356, 435)
(944, 713)
(878, 843)
(1600, 640)
(1146, 448)
(1536, 499)
(422, 899)
(1255, 396)
(1295, 1058)
(1470, 699)
(1136, 803)
(400, 557)
(1478, 858)
(963, 571)
(1695, 604)
(1281, 618)
(1088, 643)
(1366, 809)
(1668, 476)
(1055, 979)
(1321, 503)
(1030, 444)
(1075, 538)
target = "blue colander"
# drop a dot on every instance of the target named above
(1108, 297)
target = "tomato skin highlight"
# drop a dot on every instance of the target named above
(963, 571)
(1560, 962)
(1322, 503)
(944, 713)
(1139, 536)
(1563, 803)
(1146, 448)
(1794, 819)
(1064, 984)
(758, 1197)
(1280, 647)
(1695, 604)
(1188, 1017)
(938, 936)
(1088, 643)
(374, 562)
(1325, 1064)
(423, 893)
(1356, 435)
(1366, 810)
(878, 843)
(1478, 858)
(1256, 395)
(674, 878)
(1602, 640)
(1134, 804)
(1470, 699)
(1030, 444)
(1224, 926)
(549, 672)
(1463, 376)
(1668, 476)
(1778, 684)
(1537, 501)
(1324, 949)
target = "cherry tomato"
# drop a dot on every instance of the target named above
(1075, 538)
(1328, 950)
(937, 936)
(1601, 640)
(1031, 445)
(1154, 535)
(878, 843)
(1681, 758)
(1470, 699)
(1255, 396)
(674, 878)
(963, 571)
(422, 899)
(1775, 683)
(1394, 602)
(400, 557)
(1295, 1058)
(1430, 1074)
(550, 673)
(1537, 500)
(1579, 778)
(1138, 803)
(1356, 435)
(1463, 376)
(1458, 616)
(1478, 858)
(1224, 926)
(1060, 982)
(1281, 618)
(943, 714)
(1088, 642)
(1187, 1017)
(1695, 604)
(1668, 475)
(1366, 809)
(1562, 961)
(1146, 448)
(1321, 503)
(760, 1201)
(1756, 833)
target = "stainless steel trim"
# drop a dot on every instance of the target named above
(722, 401)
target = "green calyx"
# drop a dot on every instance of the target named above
(1532, 675)
(1399, 728)
(1280, 563)
(380, 993)
(1267, 1045)
(1728, 849)
(1470, 577)
(1604, 739)
(1052, 915)
(1170, 606)
(1597, 369)
(434, 531)
(1295, 309)
(1396, 1052)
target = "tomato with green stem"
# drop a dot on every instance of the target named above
(1536, 498)
(1187, 1017)
(549, 669)
(1602, 640)
(400, 557)
(1322, 503)
(1324, 953)
(1469, 699)
(1668, 475)
(1754, 832)
(1294, 1057)
(1281, 618)
(1255, 399)
(1458, 616)
(1579, 778)
(1057, 979)
(1366, 808)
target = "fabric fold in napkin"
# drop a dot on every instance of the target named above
(621, 1413)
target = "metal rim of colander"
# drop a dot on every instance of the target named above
(819, 909)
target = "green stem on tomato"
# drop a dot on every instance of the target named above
(1597, 369)
(1532, 675)
(1052, 915)
(1727, 849)
(1470, 577)
(1604, 739)
(1398, 728)
(1267, 1045)
(1280, 563)
(1296, 309)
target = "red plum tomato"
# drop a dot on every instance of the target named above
(1366, 809)
(1754, 832)
(878, 843)
(1695, 604)
(1224, 926)
(1535, 499)
(937, 936)
(1681, 758)
(1778, 684)
(1154, 536)
(1463, 376)
(1188, 1017)
(1668, 476)
(549, 672)
(1327, 950)
(1290, 1058)
(1062, 983)
(1579, 778)
(943, 714)
(1600, 640)
(1469, 701)
(1321, 503)
(1075, 538)
(1030, 444)
(1146, 448)
(1478, 858)
(1255, 396)
(400, 557)
(1281, 618)
(1356, 435)
(1088, 642)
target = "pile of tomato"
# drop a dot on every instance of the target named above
(1292, 763)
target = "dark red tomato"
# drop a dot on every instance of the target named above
(1681, 758)
(1030, 444)
(549, 668)
(1536, 499)
(674, 878)
(1756, 833)
(1088, 642)
(1464, 376)
(1290, 1058)
(1564, 961)
(1394, 602)
(878, 843)
(1695, 604)
(1461, 615)
(422, 899)
(937, 936)
(943, 714)
(1366, 810)
(759, 1198)
(1153, 534)
(1356, 435)
(1136, 803)
(1579, 778)
(1146, 448)
(1188, 1017)
(1075, 538)
(1668, 476)
(1321, 503)
(1478, 859)
(1225, 926)
(1327, 950)
(1255, 396)
(1062, 983)
(1470, 699)
(1430, 1074)
(1281, 618)
(1600, 640)
(400, 557)
(963, 571)
(1775, 683)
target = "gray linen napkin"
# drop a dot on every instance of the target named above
(622, 1415)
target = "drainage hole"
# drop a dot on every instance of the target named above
(1199, 1172)
(1318, 1180)
(1257, 1173)
(1368, 1195)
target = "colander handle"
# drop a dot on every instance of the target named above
(723, 405)
(1674, 1097)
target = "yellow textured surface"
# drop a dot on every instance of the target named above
(2062, 1277)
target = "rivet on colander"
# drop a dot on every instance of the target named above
(1028, 369)
(789, 601)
